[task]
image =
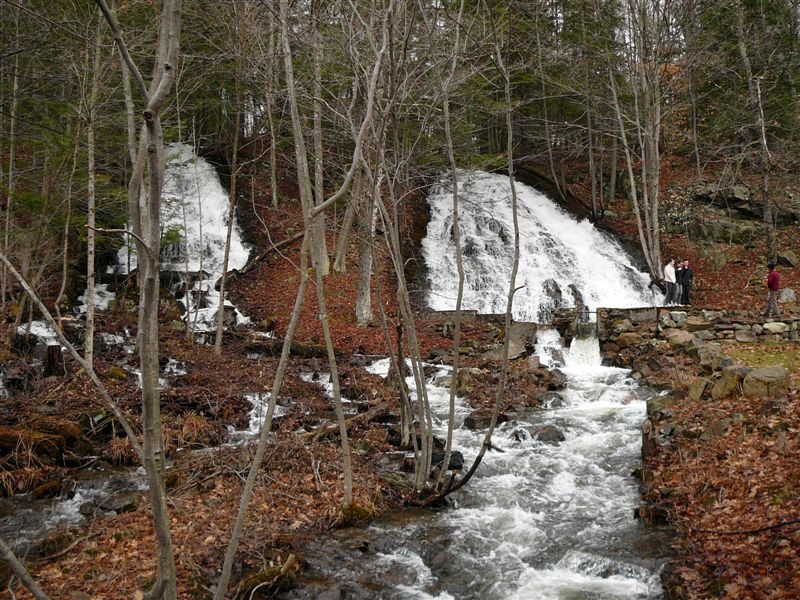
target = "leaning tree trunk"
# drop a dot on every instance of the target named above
(448, 136)
(500, 392)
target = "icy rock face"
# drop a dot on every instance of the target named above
(561, 259)
(194, 216)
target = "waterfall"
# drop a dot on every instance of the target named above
(563, 261)
(194, 221)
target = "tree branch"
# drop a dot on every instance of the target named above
(20, 571)
(123, 49)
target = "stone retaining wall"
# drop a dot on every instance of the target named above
(632, 326)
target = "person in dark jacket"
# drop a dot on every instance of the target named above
(687, 276)
(679, 282)
(774, 285)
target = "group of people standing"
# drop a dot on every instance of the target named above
(678, 279)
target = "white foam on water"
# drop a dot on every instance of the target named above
(536, 502)
(195, 210)
(42, 330)
(102, 298)
(556, 251)
(259, 402)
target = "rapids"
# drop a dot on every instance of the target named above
(538, 520)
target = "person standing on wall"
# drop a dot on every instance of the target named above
(774, 285)
(669, 281)
(688, 276)
(679, 283)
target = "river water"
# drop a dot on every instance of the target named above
(538, 520)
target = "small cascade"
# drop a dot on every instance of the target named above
(541, 519)
(563, 262)
(194, 219)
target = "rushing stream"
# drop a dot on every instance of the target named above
(538, 520)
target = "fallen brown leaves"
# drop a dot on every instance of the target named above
(717, 488)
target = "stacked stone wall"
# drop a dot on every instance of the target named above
(632, 326)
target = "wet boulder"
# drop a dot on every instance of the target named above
(456, 462)
(467, 380)
(547, 434)
(660, 407)
(482, 420)
(557, 380)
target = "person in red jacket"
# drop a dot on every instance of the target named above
(774, 285)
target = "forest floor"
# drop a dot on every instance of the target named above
(729, 484)
(113, 556)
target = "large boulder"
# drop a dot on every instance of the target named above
(678, 338)
(745, 336)
(548, 434)
(482, 420)
(729, 381)
(622, 326)
(697, 388)
(696, 323)
(787, 258)
(775, 327)
(678, 316)
(766, 382)
(629, 339)
(787, 296)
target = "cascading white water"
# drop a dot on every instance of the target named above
(539, 520)
(194, 217)
(560, 257)
(543, 519)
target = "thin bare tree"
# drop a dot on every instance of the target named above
(146, 230)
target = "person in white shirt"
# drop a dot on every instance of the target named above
(669, 280)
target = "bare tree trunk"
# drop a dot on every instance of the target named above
(320, 247)
(20, 571)
(12, 149)
(307, 201)
(754, 91)
(91, 116)
(231, 213)
(766, 161)
(363, 294)
(271, 87)
(487, 440)
(255, 466)
(448, 136)
(147, 233)
(343, 241)
(547, 133)
(67, 220)
(612, 177)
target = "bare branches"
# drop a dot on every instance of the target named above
(123, 48)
